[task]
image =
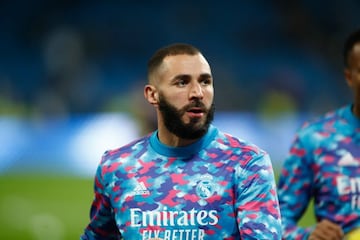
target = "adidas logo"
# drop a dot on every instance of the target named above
(141, 189)
(348, 160)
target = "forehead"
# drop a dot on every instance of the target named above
(185, 64)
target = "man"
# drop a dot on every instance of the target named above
(187, 180)
(324, 164)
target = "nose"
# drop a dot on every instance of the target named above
(196, 91)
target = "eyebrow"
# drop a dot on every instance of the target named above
(205, 75)
(182, 76)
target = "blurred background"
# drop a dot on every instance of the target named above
(72, 76)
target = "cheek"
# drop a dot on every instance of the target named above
(177, 100)
(209, 97)
(355, 83)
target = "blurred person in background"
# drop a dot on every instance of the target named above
(324, 165)
(187, 179)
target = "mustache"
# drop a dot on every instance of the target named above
(195, 104)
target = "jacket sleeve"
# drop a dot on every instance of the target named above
(257, 205)
(295, 190)
(102, 222)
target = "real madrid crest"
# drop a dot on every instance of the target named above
(205, 187)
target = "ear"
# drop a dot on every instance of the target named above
(348, 77)
(151, 94)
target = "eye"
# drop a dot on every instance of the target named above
(181, 80)
(181, 83)
(206, 81)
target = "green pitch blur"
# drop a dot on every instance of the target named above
(43, 207)
(56, 207)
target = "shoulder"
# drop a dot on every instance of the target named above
(127, 150)
(247, 159)
(324, 123)
(240, 147)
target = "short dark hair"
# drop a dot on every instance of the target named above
(351, 40)
(170, 50)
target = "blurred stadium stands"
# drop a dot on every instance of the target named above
(68, 62)
(78, 56)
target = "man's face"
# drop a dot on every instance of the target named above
(186, 93)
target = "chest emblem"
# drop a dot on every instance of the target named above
(205, 187)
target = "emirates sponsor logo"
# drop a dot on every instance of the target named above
(165, 218)
(349, 186)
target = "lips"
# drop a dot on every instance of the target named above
(195, 112)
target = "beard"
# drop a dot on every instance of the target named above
(192, 130)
